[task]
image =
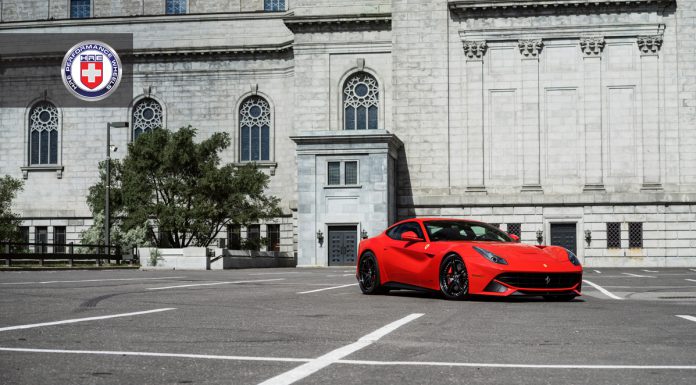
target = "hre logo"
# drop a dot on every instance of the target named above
(91, 70)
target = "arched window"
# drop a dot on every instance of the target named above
(147, 115)
(43, 134)
(360, 102)
(255, 129)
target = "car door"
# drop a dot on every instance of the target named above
(406, 260)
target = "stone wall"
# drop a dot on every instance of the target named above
(421, 98)
(685, 18)
(203, 91)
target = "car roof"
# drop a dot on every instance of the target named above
(440, 219)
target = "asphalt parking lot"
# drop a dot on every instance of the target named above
(313, 326)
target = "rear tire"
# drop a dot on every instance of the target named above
(368, 275)
(454, 278)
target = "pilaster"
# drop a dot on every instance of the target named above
(475, 51)
(592, 48)
(649, 47)
(530, 51)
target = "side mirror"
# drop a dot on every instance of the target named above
(515, 238)
(411, 237)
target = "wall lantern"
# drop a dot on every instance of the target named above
(540, 236)
(588, 237)
(363, 234)
(320, 237)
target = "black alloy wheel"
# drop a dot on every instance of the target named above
(368, 275)
(454, 279)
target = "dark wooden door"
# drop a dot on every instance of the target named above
(564, 234)
(343, 242)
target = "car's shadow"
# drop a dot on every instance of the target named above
(474, 298)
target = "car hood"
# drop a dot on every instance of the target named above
(520, 252)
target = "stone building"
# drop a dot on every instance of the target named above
(570, 122)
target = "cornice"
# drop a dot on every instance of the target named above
(348, 137)
(474, 5)
(321, 22)
(143, 19)
(213, 50)
(463, 200)
(561, 32)
(283, 47)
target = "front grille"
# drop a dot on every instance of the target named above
(540, 280)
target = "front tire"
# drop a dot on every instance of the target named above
(368, 275)
(454, 278)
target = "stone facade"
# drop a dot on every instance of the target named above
(527, 112)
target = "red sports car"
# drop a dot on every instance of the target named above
(461, 257)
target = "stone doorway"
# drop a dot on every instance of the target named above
(343, 242)
(564, 235)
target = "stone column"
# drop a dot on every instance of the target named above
(475, 50)
(650, 90)
(592, 68)
(530, 50)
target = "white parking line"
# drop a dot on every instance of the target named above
(329, 358)
(687, 317)
(603, 290)
(91, 280)
(214, 283)
(349, 362)
(650, 271)
(690, 280)
(597, 271)
(150, 354)
(326, 288)
(530, 366)
(290, 272)
(692, 269)
(70, 321)
(638, 275)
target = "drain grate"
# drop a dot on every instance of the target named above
(683, 297)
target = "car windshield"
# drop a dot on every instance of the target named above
(464, 231)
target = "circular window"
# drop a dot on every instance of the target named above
(148, 113)
(255, 111)
(45, 116)
(361, 89)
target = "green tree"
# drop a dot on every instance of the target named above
(178, 187)
(133, 236)
(9, 221)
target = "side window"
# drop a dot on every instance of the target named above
(395, 233)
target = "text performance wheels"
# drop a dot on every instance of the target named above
(454, 280)
(368, 274)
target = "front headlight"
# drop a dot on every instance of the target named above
(490, 256)
(572, 258)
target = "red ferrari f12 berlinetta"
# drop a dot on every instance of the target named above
(460, 257)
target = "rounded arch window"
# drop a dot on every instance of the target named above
(361, 102)
(43, 134)
(147, 115)
(255, 129)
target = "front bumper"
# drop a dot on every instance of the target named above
(500, 282)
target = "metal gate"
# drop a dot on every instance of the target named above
(564, 234)
(343, 245)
